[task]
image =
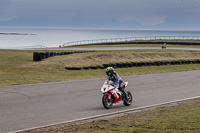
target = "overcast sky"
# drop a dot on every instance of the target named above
(129, 14)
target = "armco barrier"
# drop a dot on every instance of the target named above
(39, 56)
(138, 64)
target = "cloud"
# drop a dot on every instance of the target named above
(132, 13)
(11, 9)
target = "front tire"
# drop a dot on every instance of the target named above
(107, 103)
(128, 101)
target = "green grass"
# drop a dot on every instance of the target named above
(99, 58)
(173, 118)
(17, 67)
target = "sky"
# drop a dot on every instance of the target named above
(117, 14)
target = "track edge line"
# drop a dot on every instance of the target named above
(103, 115)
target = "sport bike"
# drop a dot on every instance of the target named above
(111, 95)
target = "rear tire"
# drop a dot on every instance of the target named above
(128, 101)
(106, 102)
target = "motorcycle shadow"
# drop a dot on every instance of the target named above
(115, 107)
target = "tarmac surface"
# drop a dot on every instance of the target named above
(112, 48)
(27, 106)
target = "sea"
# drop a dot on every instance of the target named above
(41, 37)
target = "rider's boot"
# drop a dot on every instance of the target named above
(123, 92)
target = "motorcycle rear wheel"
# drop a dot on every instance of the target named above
(107, 103)
(128, 101)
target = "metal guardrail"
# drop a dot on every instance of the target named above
(112, 40)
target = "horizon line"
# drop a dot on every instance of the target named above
(95, 28)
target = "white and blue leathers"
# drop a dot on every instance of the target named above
(118, 82)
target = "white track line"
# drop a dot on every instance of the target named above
(102, 115)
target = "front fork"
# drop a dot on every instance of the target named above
(109, 95)
(115, 100)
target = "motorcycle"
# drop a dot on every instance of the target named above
(111, 95)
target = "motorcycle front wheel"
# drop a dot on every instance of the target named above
(107, 103)
(128, 101)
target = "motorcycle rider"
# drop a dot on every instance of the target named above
(116, 79)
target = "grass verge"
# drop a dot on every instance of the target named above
(180, 117)
(106, 57)
(17, 66)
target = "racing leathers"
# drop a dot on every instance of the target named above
(118, 82)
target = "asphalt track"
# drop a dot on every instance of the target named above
(27, 106)
(111, 48)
